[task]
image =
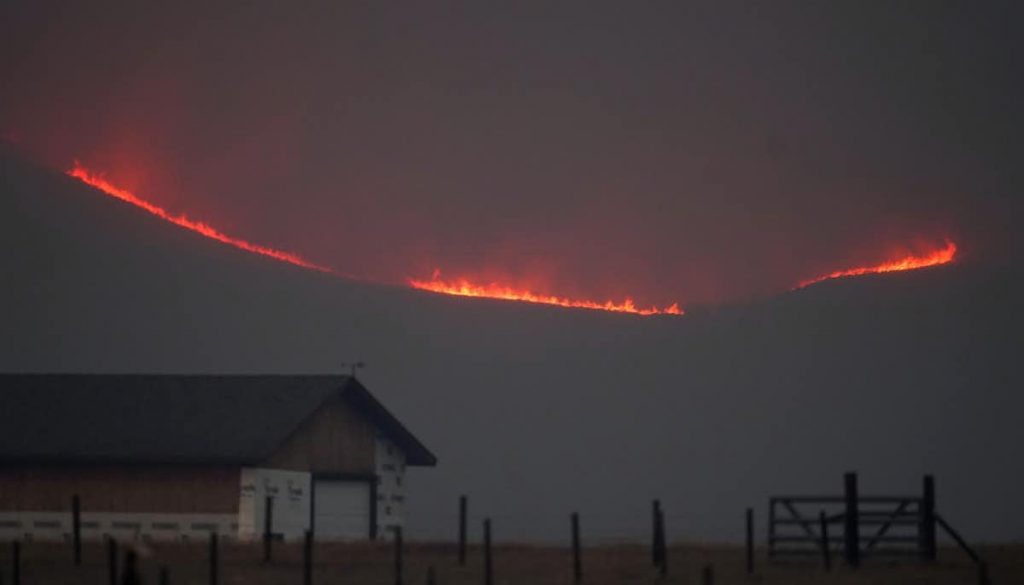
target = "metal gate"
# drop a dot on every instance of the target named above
(853, 525)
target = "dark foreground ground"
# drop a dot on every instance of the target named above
(373, 564)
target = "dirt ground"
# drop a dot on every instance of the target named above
(373, 564)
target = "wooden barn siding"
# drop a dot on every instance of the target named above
(121, 489)
(336, 439)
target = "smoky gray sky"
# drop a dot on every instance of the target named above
(536, 411)
(700, 153)
(691, 152)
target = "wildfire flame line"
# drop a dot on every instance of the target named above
(934, 258)
(461, 288)
(464, 288)
(98, 181)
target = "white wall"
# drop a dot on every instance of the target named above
(290, 491)
(390, 464)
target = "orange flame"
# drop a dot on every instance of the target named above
(98, 181)
(464, 288)
(461, 287)
(933, 258)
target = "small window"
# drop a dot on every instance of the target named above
(390, 450)
(387, 510)
(398, 480)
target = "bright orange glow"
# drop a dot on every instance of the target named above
(464, 288)
(933, 258)
(461, 287)
(98, 181)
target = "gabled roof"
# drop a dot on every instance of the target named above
(193, 419)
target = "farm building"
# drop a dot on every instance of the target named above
(171, 457)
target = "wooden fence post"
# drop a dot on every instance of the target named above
(16, 563)
(131, 569)
(488, 561)
(656, 534)
(76, 528)
(112, 560)
(851, 520)
(826, 554)
(926, 530)
(214, 560)
(398, 555)
(374, 509)
(165, 576)
(750, 541)
(307, 559)
(462, 530)
(577, 562)
(431, 576)
(662, 545)
(268, 526)
(708, 575)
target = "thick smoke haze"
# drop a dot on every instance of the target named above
(697, 153)
(536, 411)
(715, 155)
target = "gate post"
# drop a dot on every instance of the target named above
(851, 520)
(926, 528)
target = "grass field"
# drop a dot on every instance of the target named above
(373, 564)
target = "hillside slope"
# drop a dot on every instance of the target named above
(537, 411)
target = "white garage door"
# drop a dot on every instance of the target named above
(341, 509)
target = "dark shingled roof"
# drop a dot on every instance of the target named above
(208, 419)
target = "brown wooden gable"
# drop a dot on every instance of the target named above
(335, 439)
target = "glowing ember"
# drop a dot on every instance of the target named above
(464, 288)
(96, 180)
(934, 258)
